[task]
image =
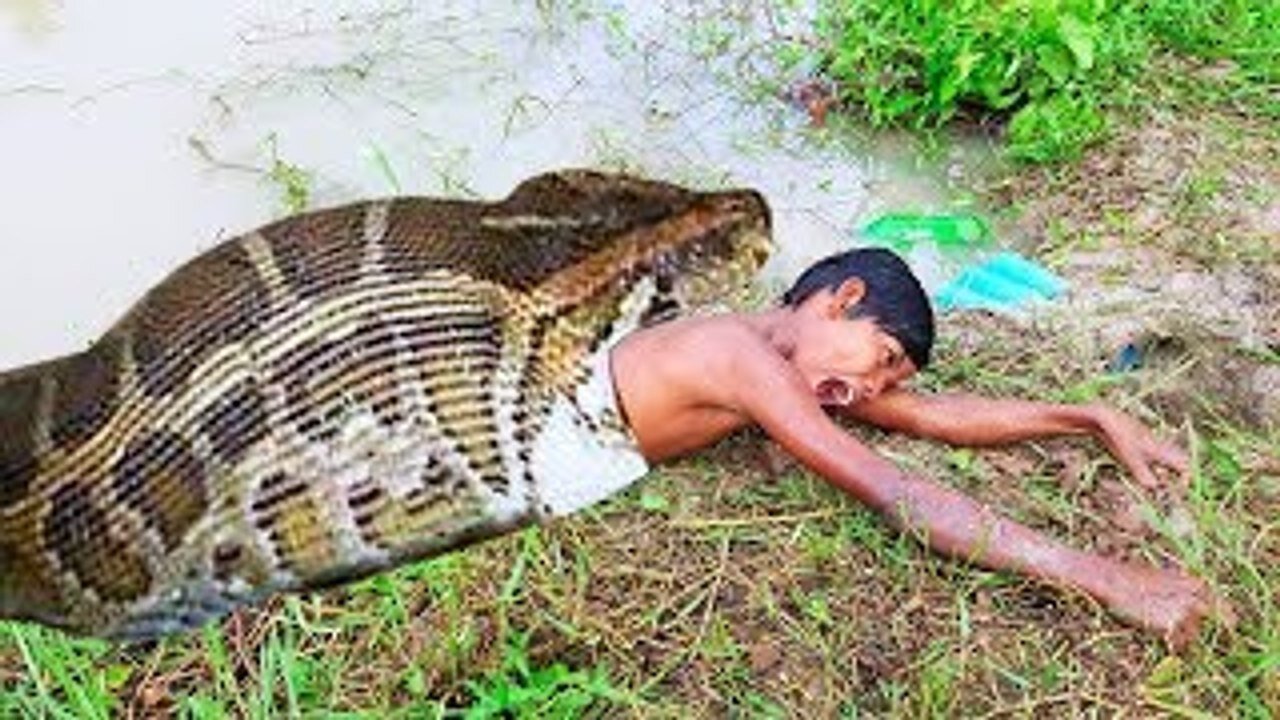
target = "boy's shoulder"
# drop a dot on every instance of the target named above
(680, 383)
(716, 334)
(717, 355)
(704, 350)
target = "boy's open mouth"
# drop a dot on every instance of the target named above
(833, 391)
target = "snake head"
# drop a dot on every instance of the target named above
(586, 234)
(723, 245)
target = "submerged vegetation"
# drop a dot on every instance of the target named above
(1049, 71)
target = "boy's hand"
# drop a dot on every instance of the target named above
(1169, 602)
(1134, 445)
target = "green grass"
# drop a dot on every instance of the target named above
(737, 595)
(305, 656)
(293, 183)
(1049, 72)
(520, 690)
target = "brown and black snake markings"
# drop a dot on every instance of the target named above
(343, 391)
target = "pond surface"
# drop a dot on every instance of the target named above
(136, 133)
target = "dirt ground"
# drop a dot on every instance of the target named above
(1170, 235)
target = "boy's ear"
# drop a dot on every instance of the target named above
(847, 294)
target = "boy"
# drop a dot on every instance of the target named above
(850, 331)
(347, 390)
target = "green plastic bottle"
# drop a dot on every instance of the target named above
(937, 247)
(903, 231)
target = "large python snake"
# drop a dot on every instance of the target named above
(341, 392)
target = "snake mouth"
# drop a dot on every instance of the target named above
(725, 268)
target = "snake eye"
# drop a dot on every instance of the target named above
(759, 255)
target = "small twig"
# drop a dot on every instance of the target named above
(30, 89)
(692, 647)
(716, 582)
(202, 150)
(1177, 710)
(702, 524)
(1033, 703)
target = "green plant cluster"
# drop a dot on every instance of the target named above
(1049, 70)
(520, 690)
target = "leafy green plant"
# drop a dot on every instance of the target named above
(521, 690)
(1046, 70)
(922, 63)
(1055, 128)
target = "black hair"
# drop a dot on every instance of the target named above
(894, 299)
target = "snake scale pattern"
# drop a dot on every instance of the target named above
(341, 392)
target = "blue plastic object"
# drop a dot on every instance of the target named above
(1127, 359)
(1005, 282)
(952, 255)
(1030, 274)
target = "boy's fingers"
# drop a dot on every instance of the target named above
(1142, 472)
(1223, 611)
(1172, 456)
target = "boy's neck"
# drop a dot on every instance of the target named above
(777, 325)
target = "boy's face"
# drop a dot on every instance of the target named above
(846, 361)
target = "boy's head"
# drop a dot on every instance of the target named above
(892, 317)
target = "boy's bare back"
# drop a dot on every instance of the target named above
(675, 382)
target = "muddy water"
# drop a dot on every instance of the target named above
(136, 133)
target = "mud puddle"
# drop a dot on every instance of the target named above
(137, 134)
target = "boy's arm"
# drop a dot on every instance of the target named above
(962, 419)
(775, 397)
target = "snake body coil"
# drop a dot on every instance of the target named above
(341, 392)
